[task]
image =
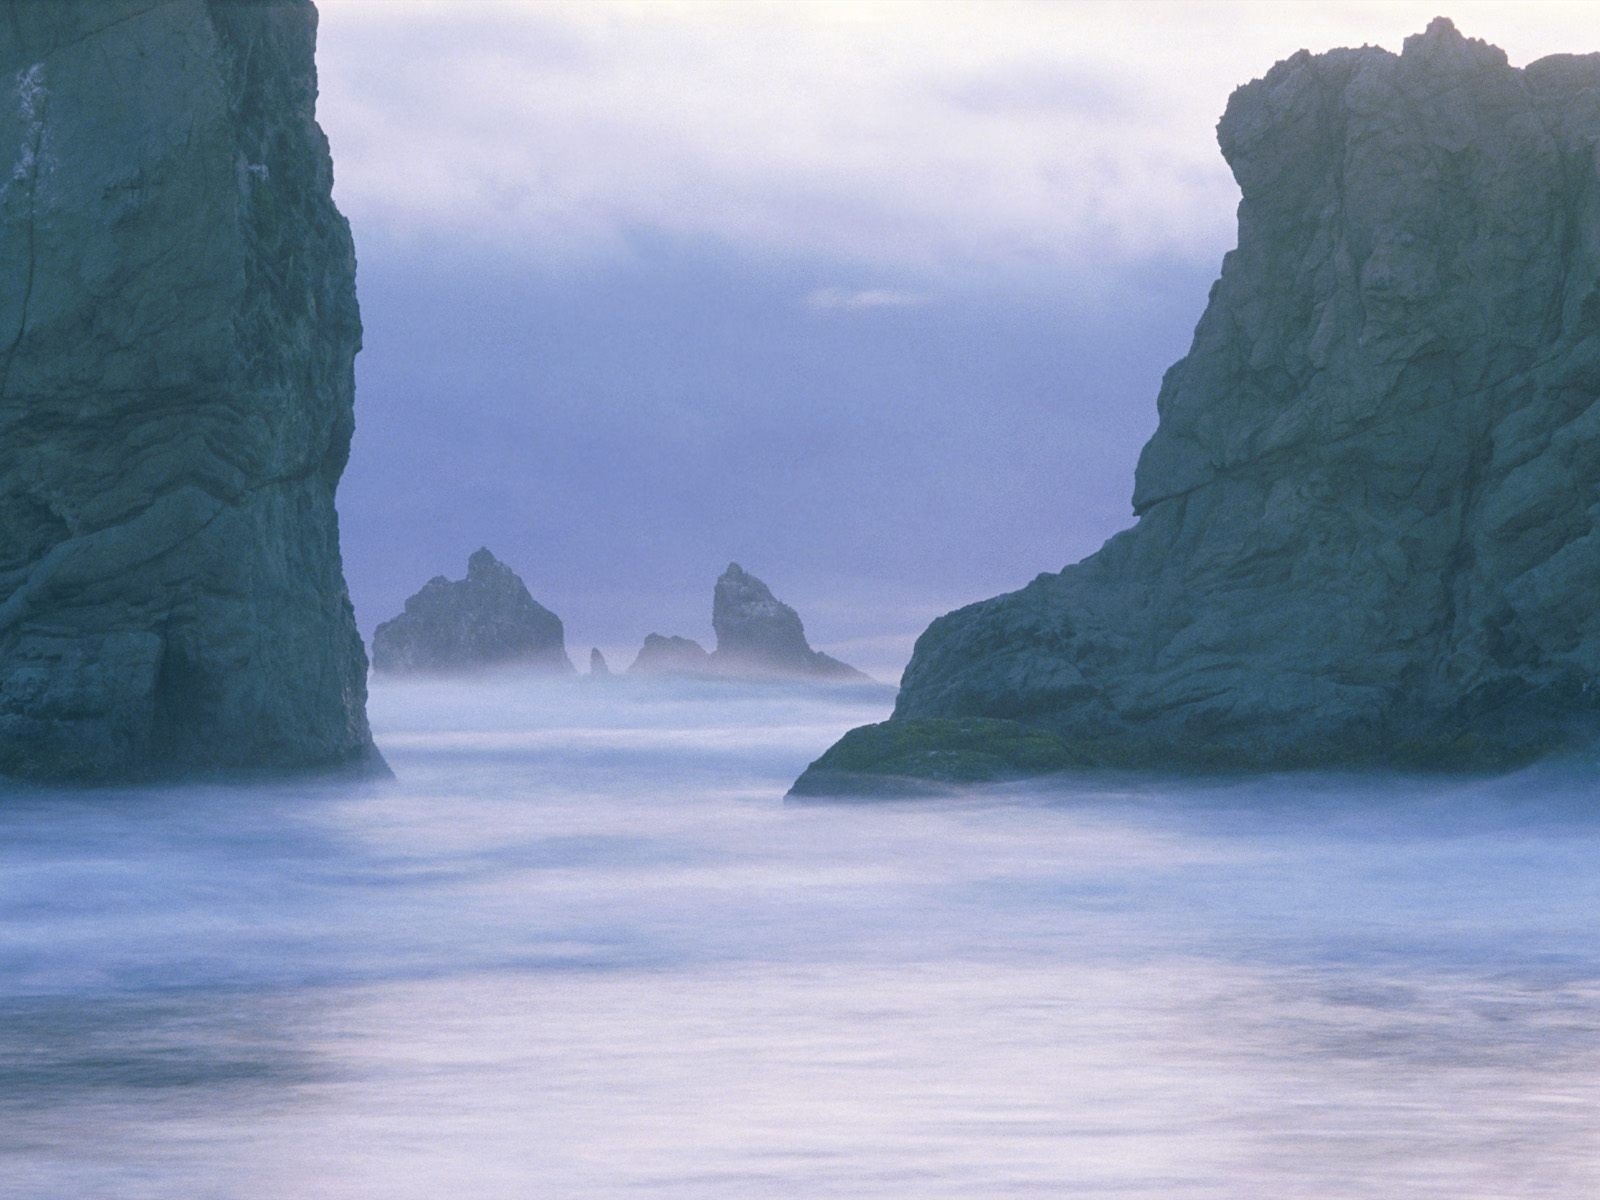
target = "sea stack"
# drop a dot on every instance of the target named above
(671, 656)
(487, 620)
(178, 324)
(598, 668)
(759, 635)
(1367, 523)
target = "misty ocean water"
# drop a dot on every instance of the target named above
(580, 947)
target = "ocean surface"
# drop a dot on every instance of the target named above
(581, 947)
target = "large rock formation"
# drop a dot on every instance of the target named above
(759, 635)
(177, 327)
(486, 620)
(1368, 520)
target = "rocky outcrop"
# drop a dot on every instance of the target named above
(759, 635)
(932, 755)
(1368, 520)
(487, 620)
(598, 667)
(671, 656)
(178, 323)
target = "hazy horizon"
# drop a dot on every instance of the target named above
(648, 288)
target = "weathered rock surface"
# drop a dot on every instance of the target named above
(671, 656)
(759, 635)
(486, 620)
(1368, 520)
(598, 666)
(178, 323)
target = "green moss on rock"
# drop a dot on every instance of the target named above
(931, 755)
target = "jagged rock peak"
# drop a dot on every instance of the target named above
(598, 668)
(486, 620)
(178, 321)
(1442, 39)
(758, 634)
(1368, 531)
(751, 623)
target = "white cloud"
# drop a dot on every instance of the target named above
(944, 137)
(854, 299)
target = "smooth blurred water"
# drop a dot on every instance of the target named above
(581, 948)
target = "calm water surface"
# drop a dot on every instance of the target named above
(582, 949)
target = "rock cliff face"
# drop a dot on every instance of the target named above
(486, 620)
(758, 634)
(178, 323)
(1368, 520)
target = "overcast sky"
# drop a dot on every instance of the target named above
(872, 297)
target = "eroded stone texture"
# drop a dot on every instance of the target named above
(1367, 522)
(486, 620)
(177, 327)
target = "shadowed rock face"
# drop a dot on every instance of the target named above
(598, 666)
(758, 634)
(486, 620)
(178, 323)
(1367, 522)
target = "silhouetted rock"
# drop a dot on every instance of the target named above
(759, 635)
(1368, 520)
(177, 327)
(671, 656)
(597, 664)
(486, 620)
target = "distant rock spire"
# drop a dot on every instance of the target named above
(758, 634)
(758, 637)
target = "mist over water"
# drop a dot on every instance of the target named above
(581, 948)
